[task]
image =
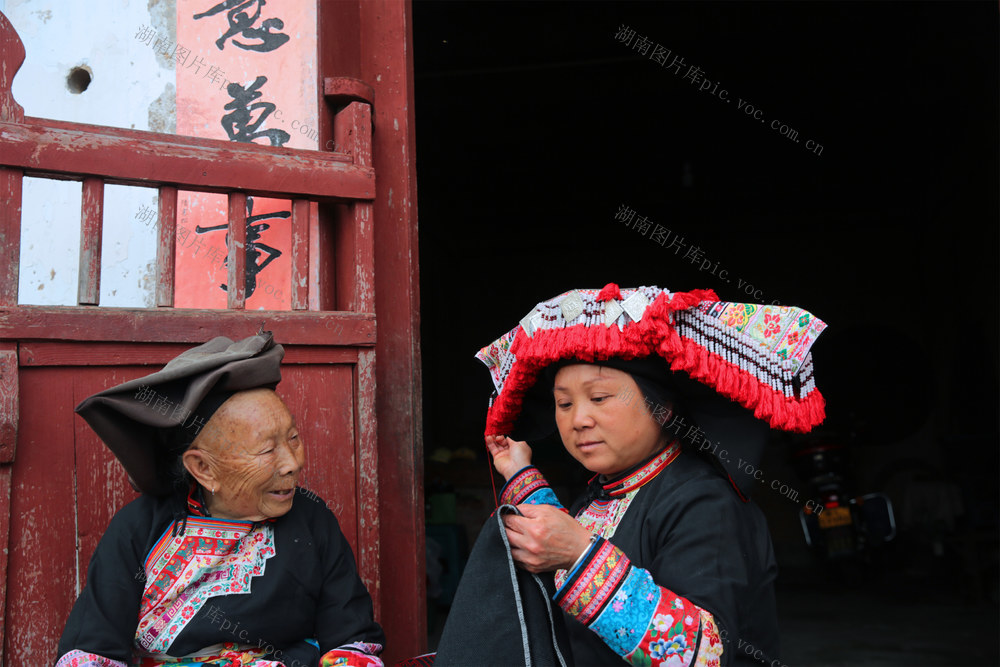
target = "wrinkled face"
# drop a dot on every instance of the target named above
(252, 456)
(604, 432)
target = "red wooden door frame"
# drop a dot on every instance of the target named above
(373, 44)
(372, 40)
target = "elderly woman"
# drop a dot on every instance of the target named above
(220, 562)
(663, 560)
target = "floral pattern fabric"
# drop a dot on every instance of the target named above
(83, 659)
(529, 487)
(210, 557)
(644, 623)
(344, 656)
(226, 655)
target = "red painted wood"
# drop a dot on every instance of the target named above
(36, 353)
(166, 246)
(330, 364)
(369, 543)
(11, 181)
(11, 58)
(236, 287)
(6, 471)
(102, 486)
(9, 411)
(45, 146)
(182, 325)
(387, 63)
(300, 254)
(341, 90)
(9, 402)
(321, 398)
(43, 570)
(91, 235)
(354, 237)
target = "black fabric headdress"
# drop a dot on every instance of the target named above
(148, 422)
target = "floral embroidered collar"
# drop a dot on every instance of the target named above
(602, 487)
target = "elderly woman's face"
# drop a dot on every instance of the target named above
(253, 455)
(603, 432)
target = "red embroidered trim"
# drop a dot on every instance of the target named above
(546, 346)
(645, 474)
(596, 583)
(522, 485)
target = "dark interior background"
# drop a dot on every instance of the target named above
(535, 125)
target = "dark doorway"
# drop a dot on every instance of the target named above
(850, 169)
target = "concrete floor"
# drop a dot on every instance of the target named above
(888, 620)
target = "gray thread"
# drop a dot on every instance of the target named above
(552, 623)
(513, 581)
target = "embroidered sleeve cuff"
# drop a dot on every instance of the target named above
(640, 621)
(358, 654)
(528, 486)
(77, 658)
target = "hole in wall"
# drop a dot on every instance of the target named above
(79, 79)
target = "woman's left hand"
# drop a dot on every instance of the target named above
(545, 538)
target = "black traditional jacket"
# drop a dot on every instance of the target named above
(682, 571)
(168, 580)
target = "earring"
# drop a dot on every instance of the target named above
(213, 490)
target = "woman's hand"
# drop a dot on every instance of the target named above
(545, 538)
(509, 456)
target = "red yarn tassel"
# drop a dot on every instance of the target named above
(610, 291)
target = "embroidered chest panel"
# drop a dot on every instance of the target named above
(212, 557)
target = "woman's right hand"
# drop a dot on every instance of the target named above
(509, 455)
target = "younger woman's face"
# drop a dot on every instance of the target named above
(600, 430)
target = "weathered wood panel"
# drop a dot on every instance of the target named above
(47, 147)
(9, 403)
(322, 400)
(236, 263)
(6, 471)
(91, 238)
(11, 184)
(37, 353)
(42, 569)
(166, 246)
(300, 254)
(102, 486)
(387, 64)
(185, 326)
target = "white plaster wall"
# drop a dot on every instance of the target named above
(132, 88)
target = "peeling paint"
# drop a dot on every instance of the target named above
(163, 111)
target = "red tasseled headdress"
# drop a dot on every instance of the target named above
(753, 354)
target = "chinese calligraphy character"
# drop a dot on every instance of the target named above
(237, 123)
(254, 226)
(240, 22)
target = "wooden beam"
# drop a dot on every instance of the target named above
(88, 291)
(300, 254)
(236, 280)
(367, 476)
(59, 353)
(166, 246)
(340, 91)
(11, 183)
(9, 405)
(386, 38)
(182, 325)
(11, 58)
(47, 147)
